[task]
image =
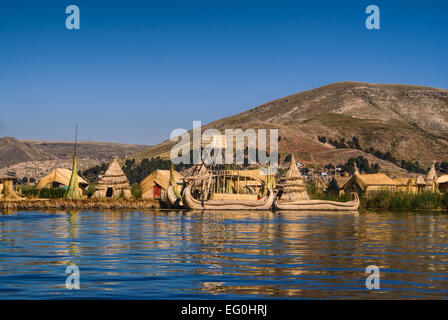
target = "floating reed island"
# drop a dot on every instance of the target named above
(79, 204)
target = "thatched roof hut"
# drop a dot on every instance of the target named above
(154, 185)
(431, 179)
(60, 177)
(369, 183)
(336, 185)
(431, 174)
(114, 183)
(7, 180)
(293, 188)
(443, 183)
(409, 184)
(319, 184)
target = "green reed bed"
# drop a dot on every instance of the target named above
(387, 200)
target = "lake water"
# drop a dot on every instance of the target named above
(223, 255)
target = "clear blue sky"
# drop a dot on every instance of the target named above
(138, 69)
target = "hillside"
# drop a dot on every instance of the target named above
(411, 122)
(15, 151)
(36, 158)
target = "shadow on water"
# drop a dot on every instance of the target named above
(223, 254)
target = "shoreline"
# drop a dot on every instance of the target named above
(82, 204)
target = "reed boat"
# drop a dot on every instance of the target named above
(171, 200)
(293, 195)
(318, 205)
(227, 203)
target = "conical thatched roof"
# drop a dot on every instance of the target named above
(293, 186)
(115, 179)
(319, 184)
(421, 181)
(431, 175)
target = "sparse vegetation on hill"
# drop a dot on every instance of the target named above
(411, 122)
(387, 156)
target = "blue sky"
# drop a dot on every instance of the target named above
(136, 70)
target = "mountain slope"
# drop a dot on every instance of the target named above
(13, 151)
(409, 121)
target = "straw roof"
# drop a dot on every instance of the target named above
(443, 179)
(7, 191)
(61, 176)
(293, 186)
(318, 183)
(340, 181)
(431, 174)
(255, 174)
(114, 178)
(373, 179)
(159, 177)
(403, 181)
(420, 181)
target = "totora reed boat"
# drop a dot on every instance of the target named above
(295, 197)
(264, 203)
(171, 199)
(321, 205)
(227, 190)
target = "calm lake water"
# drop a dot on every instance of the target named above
(223, 255)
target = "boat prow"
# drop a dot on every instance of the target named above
(171, 199)
(318, 205)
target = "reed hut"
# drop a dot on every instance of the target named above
(443, 183)
(292, 186)
(369, 183)
(113, 184)
(406, 184)
(336, 185)
(431, 179)
(60, 178)
(155, 185)
(319, 184)
(8, 180)
(421, 183)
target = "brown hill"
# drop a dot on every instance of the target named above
(409, 121)
(14, 151)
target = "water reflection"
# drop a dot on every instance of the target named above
(222, 254)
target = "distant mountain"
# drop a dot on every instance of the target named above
(14, 151)
(411, 122)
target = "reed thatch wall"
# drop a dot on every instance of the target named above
(159, 177)
(115, 179)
